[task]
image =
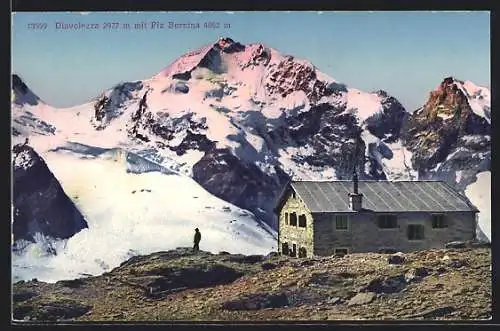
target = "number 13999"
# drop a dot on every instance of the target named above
(37, 26)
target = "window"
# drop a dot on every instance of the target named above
(341, 222)
(302, 252)
(302, 221)
(284, 248)
(293, 195)
(387, 221)
(341, 251)
(286, 218)
(415, 232)
(439, 221)
(293, 219)
(293, 253)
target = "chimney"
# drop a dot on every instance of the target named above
(355, 198)
(355, 181)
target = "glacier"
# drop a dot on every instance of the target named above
(132, 207)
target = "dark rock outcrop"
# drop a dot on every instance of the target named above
(40, 204)
(21, 92)
(23, 296)
(387, 124)
(240, 183)
(396, 259)
(195, 276)
(416, 274)
(290, 76)
(51, 310)
(110, 105)
(386, 285)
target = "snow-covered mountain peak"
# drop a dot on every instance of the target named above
(450, 134)
(456, 100)
(209, 56)
(245, 64)
(467, 93)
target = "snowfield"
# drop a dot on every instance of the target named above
(132, 210)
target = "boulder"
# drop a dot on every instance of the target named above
(362, 299)
(386, 285)
(397, 258)
(416, 274)
(456, 263)
(194, 276)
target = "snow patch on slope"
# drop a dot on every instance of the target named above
(363, 104)
(399, 166)
(478, 97)
(23, 160)
(290, 160)
(479, 193)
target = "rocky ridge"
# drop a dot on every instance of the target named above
(451, 284)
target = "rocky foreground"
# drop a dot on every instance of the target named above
(177, 285)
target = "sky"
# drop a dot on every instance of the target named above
(406, 54)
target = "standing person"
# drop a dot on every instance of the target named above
(197, 238)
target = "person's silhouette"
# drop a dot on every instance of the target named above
(197, 238)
